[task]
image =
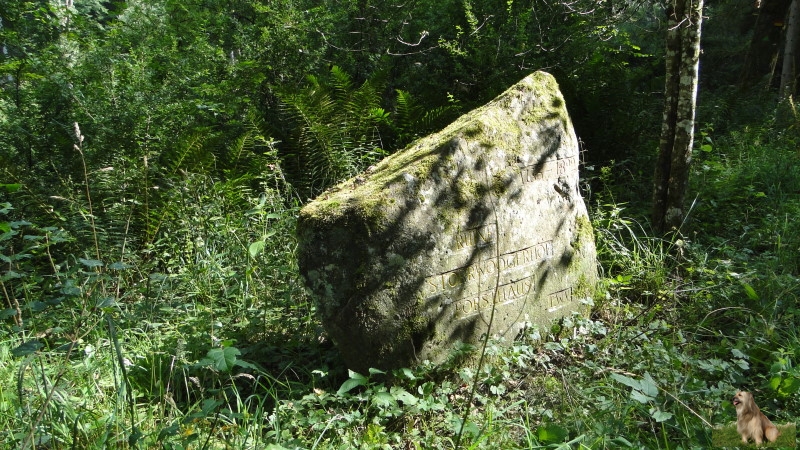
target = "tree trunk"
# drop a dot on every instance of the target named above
(767, 37)
(788, 70)
(671, 177)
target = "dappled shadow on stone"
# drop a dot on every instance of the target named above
(476, 229)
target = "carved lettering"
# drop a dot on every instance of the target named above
(506, 294)
(550, 169)
(483, 273)
(559, 297)
(474, 238)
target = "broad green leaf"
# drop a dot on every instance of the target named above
(790, 386)
(91, 263)
(383, 399)
(402, 395)
(785, 385)
(627, 381)
(649, 386)
(209, 405)
(640, 397)
(14, 187)
(348, 386)
(660, 416)
(223, 359)
(407, 373)
(469, 428)
(27, 348)
(622, 442)
(775, 382)
(245, 364)
(10, 275)
(36, 306)
(744, 365)
(256, 248)
(551, 434)
(751, 293)
(355, 380)
(106, 302)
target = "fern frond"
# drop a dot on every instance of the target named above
(333, 131)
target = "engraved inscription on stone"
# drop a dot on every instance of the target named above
(476, 237)
(506, 294)
(550, 169)
(559, 298)
(472, 279)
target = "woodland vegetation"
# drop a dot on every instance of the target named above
(154, 155)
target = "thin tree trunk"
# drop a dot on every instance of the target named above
(671, 88)
(788, 71)
(671, 178)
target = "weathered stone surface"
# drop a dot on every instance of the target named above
(480, 227)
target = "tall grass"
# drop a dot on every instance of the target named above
(201, 336)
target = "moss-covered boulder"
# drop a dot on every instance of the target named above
(477, 228)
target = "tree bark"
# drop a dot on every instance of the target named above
(789, 68)
(671, 178)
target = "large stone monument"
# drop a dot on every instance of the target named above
(479, 228)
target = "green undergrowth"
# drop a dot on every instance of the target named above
(200, 335)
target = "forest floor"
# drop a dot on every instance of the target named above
(220, 347)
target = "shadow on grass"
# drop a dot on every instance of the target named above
(726, 436)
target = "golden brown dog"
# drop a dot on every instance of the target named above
(751, 423)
